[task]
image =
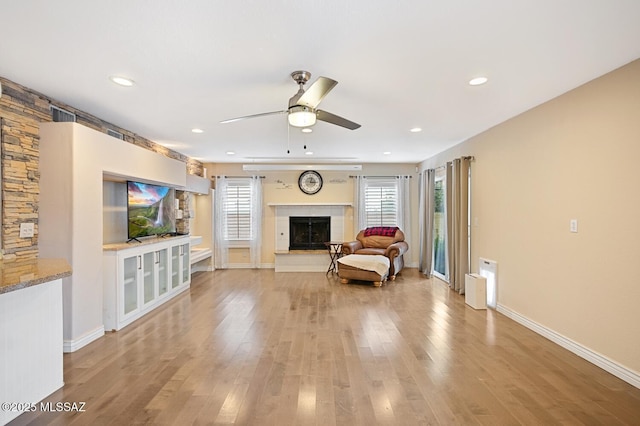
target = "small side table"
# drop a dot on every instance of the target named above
(335, 251)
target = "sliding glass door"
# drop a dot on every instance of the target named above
(440, 264)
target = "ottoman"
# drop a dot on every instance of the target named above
(363, 267)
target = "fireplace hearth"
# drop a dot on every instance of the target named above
(309, 232)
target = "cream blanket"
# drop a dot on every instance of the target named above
(368, 262)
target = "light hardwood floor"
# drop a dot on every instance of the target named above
(255, 347)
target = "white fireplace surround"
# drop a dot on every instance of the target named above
(305, 261)
(283, 211)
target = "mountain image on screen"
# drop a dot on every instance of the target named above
(151, 209)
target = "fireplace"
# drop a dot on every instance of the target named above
(309, 232)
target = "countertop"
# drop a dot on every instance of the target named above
(140, 243)
(19, 274)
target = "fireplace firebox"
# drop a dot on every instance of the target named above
(309, 232)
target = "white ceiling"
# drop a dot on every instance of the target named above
(399, 64)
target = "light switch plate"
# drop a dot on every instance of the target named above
(573, 225)
(26, 230)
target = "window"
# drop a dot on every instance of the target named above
(237, 209)
(238, 218)
(440, 265)
(381, 202)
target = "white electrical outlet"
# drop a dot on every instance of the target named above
(573, 225)
(26, 230)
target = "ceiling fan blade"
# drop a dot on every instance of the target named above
(338, 121)
(231, 120)
(316, 92)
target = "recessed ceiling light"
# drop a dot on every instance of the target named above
(122, 81)
(307, 130)
(231, 153)
(196, 130)
(387, 153)
(308, 153)
(478, 81)
(415, 130)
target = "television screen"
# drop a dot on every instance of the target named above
(150, 209)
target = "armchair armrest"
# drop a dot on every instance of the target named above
(396, 249)
(351, 247)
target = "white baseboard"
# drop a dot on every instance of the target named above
(620, 371)
(73, 345)
(239, 266)
(246, 266)
(201, 268)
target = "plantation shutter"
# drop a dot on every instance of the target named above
(237, 208)
(381, 202)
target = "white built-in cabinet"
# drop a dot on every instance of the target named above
(138, 279)
(73, 223)
(180, 265)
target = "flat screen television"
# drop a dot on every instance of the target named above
(150, 210)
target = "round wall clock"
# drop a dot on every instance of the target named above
(310, 182)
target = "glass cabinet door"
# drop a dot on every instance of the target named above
(185, 263)
(148, 264)
(175, 266)
(130, 284)
(163, 270)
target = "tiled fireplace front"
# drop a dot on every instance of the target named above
(302, 260)
(284, 211)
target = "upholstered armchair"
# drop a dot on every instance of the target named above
(386, 241)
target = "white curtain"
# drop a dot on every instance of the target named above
(359, 212)
(255, 245)
(404, 207)
(221, 249)
(457, 221)
(426, 212)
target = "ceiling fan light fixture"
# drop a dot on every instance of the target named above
(301, 116)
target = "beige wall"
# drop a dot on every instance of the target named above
(575, 157)
(282, 187)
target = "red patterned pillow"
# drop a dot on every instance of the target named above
(385, 231)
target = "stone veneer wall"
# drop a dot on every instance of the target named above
(21, 112)
(184, 203)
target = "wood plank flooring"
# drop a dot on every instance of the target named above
(255, 347)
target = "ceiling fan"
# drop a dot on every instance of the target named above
(302, 110)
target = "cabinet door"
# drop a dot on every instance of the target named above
(163, 271)
(149, 278)
(175, 266)
(186, 263)
(130, 284)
